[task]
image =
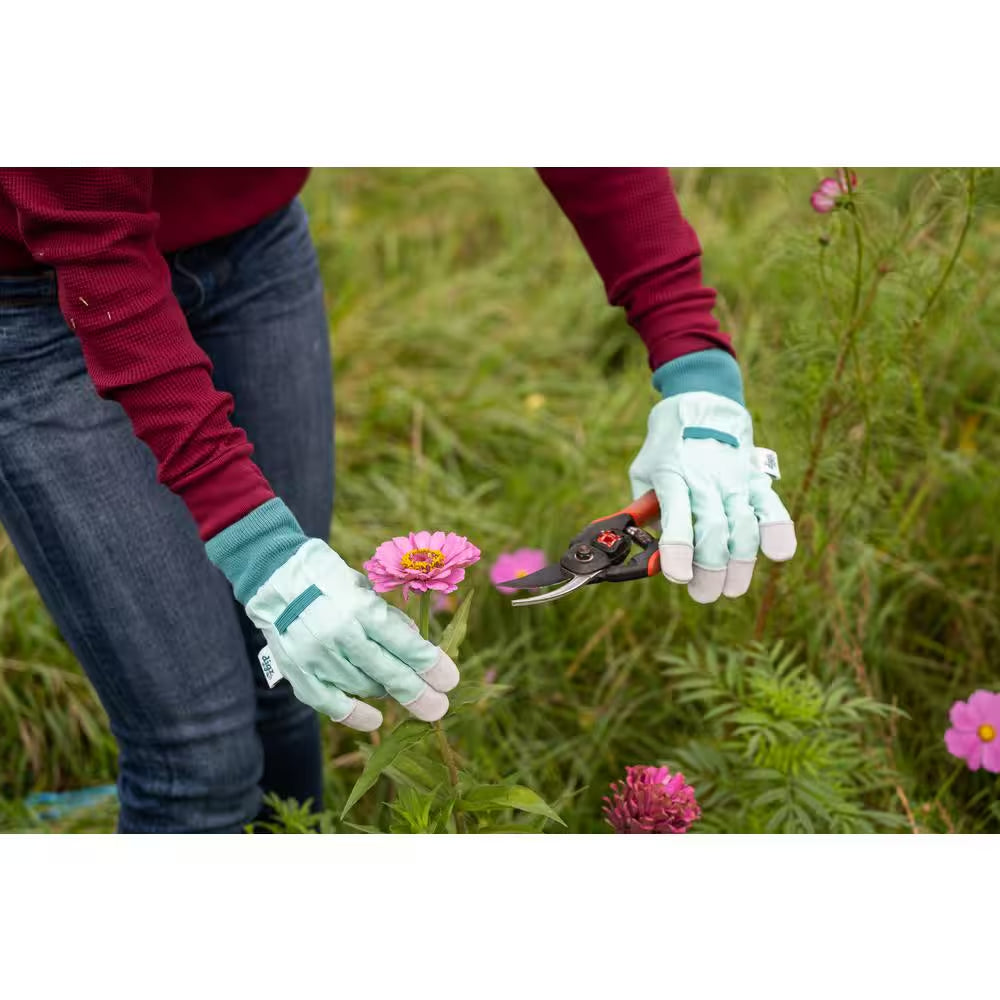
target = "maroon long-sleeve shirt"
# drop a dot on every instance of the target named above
(105, 231)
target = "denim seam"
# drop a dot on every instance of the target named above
(196, 281)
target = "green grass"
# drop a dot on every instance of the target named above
(484, 387)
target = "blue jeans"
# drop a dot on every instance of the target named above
(116, 556)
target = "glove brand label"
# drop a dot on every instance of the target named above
(765, 460)
(271, 672)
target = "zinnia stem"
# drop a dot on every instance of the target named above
(447, 754)
(425, 614)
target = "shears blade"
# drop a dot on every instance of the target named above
(574, 583)
(547, 576)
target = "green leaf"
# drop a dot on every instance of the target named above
(469, 693)
(451, 641)
(406, 735)
(360, 828)
(440, 822)
(488, 797)
(413, 810)
(417, 770)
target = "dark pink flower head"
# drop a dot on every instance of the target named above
(824, 198)
(422, 561)
(513, 565)
(975, 731)
(651, 800)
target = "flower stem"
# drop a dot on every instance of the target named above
(828, 411)
(858, 242)
(914, 353)
(970, 208)
(425, 615)
(447, 754)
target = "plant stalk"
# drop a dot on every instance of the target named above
(447, 754)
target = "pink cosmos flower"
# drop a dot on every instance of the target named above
(975, 732)
(824, 198)
(513, 565)
(421, 561)
(651, 800)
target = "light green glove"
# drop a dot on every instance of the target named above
(700, 458)
(328, 633)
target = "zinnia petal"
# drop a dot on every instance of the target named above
(388, 554)
(458, 549)
(387, 571)
(421, 539)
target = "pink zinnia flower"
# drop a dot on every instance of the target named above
(421, 561)
(975, 732)
(651, 800)
(824, 198)
(514, 565)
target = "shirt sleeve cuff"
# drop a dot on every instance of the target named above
(703, 371)
(251, 550)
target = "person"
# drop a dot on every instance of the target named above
(166, 446)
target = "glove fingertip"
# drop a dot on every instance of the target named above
(443, 675)
(707, 585)
(362, 717)
(739, 573)
(676, 562)
(428, 706)
(777, 541)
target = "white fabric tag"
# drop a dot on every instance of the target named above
(271, 672)
(765, 460)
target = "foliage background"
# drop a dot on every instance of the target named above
(484, 387)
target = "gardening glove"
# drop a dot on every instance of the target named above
(328, 633)
(700, 458)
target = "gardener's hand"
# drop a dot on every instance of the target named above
(699, 457)
(328, 633)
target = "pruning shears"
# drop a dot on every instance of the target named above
(600, 554)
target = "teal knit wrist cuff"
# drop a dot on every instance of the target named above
(249, 551)
(704, 371)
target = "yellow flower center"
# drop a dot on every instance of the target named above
(423, 560)
(986, 732)
(520, 573)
